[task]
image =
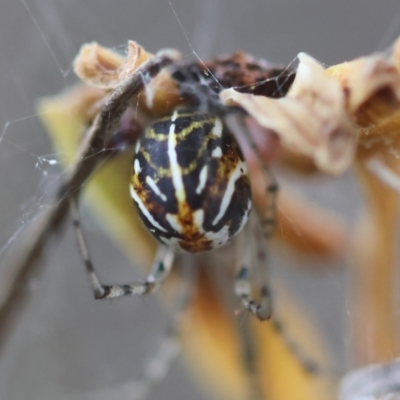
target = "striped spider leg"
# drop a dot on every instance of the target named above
(157, 366)
(245, 268)
(248, 265)
(257, 233)
(161, 267)
(263, 223)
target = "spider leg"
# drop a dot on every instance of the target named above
(264, 229)
(253, 263)
(266, 225)
(161, 267)
(243, 287)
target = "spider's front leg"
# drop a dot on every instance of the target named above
(161, 267)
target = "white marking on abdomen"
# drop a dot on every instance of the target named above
(176, 171)
(137, 147)
(217, 129)
(144, 210)
(174, 116)
(155, 188)
(174, 222)
(245, 217)
(202, 179)
(229, 192)
(198, 220)
(219, 238)
(217, 152)
(137, 167)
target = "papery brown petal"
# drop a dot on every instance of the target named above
(372, 88)
(104, 68)
(310, 120)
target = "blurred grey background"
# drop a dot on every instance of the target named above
(66, 344)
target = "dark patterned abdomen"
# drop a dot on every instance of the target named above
(190, 182)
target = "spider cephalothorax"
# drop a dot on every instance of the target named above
(200, 83)
(190, 181)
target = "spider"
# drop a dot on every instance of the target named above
(190, 183)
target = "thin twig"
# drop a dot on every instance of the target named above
(24, 261)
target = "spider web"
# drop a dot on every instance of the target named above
(63, 339)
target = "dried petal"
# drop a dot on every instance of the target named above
(372, 88)
(104, 68)
(310, 120)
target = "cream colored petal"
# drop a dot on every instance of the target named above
(372, 88)
(311, 120)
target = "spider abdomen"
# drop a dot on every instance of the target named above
(190, 181)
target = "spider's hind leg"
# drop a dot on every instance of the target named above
(255, 252)
(263, 222)
(262, 309)
(161, 267)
